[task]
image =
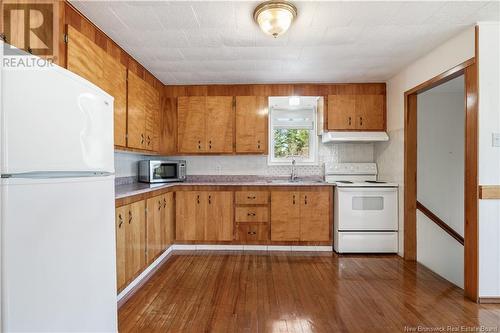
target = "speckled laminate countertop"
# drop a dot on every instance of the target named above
(127, 190)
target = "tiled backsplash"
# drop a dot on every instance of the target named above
(126, 163)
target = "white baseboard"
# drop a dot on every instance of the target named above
(230, 247)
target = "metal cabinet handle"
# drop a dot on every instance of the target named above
(149, 140)
(159, 204)
(121, 220)
(251, 214)
(129, 217)
(198, 199)
(199, 144)
(251, 198)
(209, 199)
(294, 199)
(210, 144)
(142, 138)
(258, 144)
(252, 233)
(349, 121)
(305, 200)
(164, 202)
(361, 121)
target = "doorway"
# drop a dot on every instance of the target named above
(467, 70)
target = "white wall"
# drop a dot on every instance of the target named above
(441, 151)
(440, 177)
(126, 163)
(489, 158)
(389, 155)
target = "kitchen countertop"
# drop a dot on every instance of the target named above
(127, 190)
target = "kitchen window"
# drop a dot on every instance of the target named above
(292, 135)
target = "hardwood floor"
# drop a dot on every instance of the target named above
(297, 292)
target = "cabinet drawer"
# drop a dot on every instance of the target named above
(253, 232)
(252, 214)
(252, 198)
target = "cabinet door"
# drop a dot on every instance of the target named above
(219, 222)
(136, 112)
(154, 217)
(120, 218)
(341, 112)
(168, 220)
(191, 124)
(251, 124)
(152, 114)
(314, 216)
(219, 120)
(84, 57)
(115, 84)
(190, 215)
(136, 239)
(285, 219)
(370, 112)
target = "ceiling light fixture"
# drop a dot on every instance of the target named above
(275, 17)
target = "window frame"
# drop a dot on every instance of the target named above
(313, 144)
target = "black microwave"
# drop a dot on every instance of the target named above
(157, 171)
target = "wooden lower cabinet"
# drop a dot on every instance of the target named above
(159, 225)
(300, 216)
(252, 232)
(130, 241)
(285, 216)
(168, 227)
(204, 215)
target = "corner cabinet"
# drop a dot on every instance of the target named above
(356, 113)
(205, 124)
(87, 59)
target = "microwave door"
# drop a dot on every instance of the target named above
(161, 172)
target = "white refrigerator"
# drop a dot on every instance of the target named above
(58, 270)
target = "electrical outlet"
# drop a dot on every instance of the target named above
(495, 139)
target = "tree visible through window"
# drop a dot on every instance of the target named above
(291, 142)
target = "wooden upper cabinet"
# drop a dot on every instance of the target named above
(285, 216)
(370, 112)
(152, 115)
(341, 112)
(356, 112)
(191, 124)
(136, 112)
(87, 59)
(219, 120)
(315, 216)
(251, 124)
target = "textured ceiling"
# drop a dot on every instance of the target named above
(194, 42)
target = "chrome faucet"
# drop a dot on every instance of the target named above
(293, 174)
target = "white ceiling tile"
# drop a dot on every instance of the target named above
(189, 42)
(176, 15)
(214, 14)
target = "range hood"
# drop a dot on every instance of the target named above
(353, 136)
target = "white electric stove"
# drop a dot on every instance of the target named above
(366, 210)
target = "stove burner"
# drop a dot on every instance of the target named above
(375, 182)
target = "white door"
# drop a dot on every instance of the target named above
(58, 269)
(366, 208)
(54, 121)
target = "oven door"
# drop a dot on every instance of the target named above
(366, 208)
(161, 172)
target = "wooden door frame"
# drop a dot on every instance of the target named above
(469, 69)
